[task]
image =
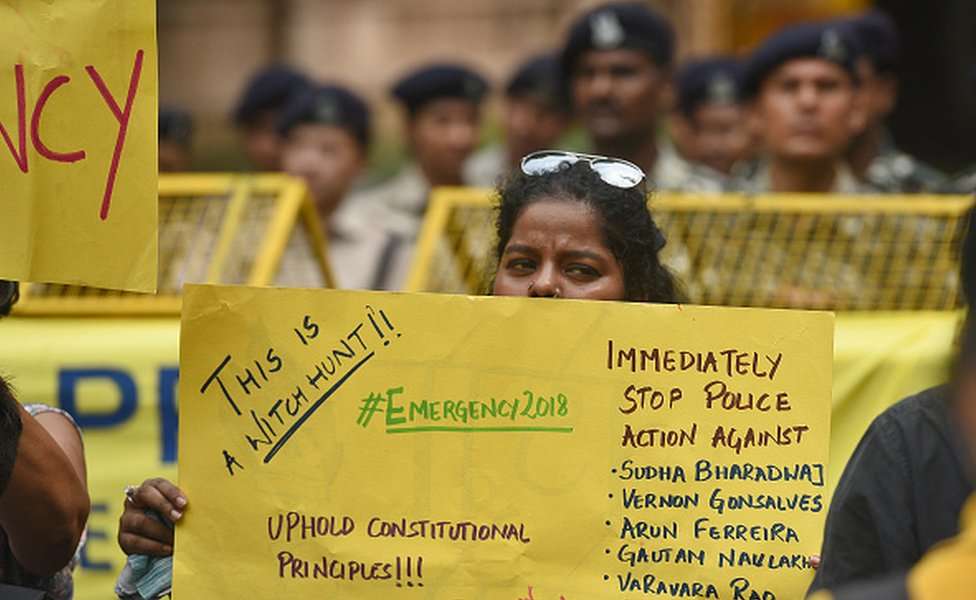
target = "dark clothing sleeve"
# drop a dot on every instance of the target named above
(869, 524)
(900, 494)
(889, 588)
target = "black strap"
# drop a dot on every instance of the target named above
(385, 264)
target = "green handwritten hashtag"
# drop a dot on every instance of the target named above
(370, 406)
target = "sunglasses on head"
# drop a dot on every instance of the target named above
(613, 171)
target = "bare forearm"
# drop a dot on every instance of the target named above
(45, 506)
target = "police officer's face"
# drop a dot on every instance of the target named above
(262, 144)
(530, 125)
(443, 134)
(619, 93)
(808, 109)
(557, 250)
(722, 135)
(327, 157)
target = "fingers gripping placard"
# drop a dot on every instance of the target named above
(369, 445)
(78, 106)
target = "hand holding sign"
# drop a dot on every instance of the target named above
(78, 159)
(365, 445)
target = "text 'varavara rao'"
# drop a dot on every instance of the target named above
(268, 420)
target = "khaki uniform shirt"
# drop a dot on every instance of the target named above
(672, 173)
(894, 172)
(963, 183)
(355, 244)
(395, 208)
(845, 182)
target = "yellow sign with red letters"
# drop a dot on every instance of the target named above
(78, 129)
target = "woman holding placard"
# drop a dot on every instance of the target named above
(569, 226)
(577, 226)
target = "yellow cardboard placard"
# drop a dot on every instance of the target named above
(373, 445)
(78, 130)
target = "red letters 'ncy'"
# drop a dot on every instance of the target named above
(122, 114)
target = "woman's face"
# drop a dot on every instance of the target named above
(557, 250)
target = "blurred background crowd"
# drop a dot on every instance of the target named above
(376, 103)
(369, 44)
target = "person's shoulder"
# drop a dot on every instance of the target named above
(931, 403)
(672, 173)
(45, 411)
(963, 182)
(406, 192)
(701, 180)
(375, 193)
(359, 213)
(920, 423)
(486, 167)
(895, 171)
(754, 180)
(393, 207)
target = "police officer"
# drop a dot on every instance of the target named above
(442, 109)
(326, 133)
(709, 126)
(617, 62)
(175, 140)
(803, 87)
(535, 117)
(873, 155)
(258, 110)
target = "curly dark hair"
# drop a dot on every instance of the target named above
(10, 428)
(628, 229)
(9, 294)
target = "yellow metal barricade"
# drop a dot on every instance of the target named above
(220, 228)
(787, 251)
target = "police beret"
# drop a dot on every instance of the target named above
(878, 37)
(714, 80)
(175, 125)
(628, 25)
(328, 105)
(827, 41)
(269, 89)
(439, 81)
(538, 77)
